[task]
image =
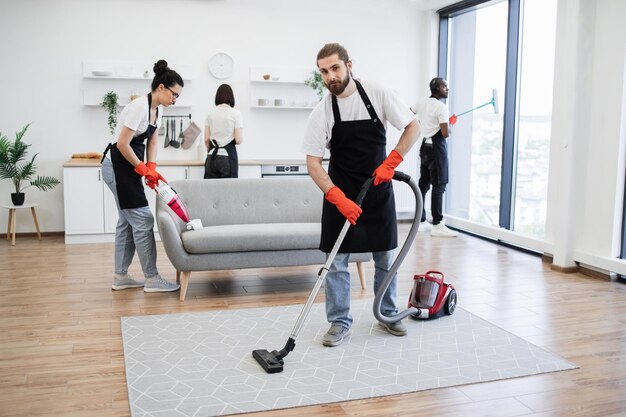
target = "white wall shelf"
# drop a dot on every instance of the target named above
(279, 81)
(126, 79)
(283, 83)
(128, 71)
(282, 74)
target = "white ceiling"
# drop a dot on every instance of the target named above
(431, 4)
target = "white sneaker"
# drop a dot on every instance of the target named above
(425, 227)
(440, 230)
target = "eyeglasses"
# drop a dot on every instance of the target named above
(174, 94)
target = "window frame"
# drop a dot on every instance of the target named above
(509, 106)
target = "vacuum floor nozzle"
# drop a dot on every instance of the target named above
(270, 361)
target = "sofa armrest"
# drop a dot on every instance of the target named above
(170, 231)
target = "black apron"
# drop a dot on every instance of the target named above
(357, 148)
(233, 159)
(440, 151)
(130, 191)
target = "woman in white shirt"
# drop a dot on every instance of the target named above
(137, 134)
(223, 130)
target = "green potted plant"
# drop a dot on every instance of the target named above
(316, 82)
(109, 102)
(11, 155)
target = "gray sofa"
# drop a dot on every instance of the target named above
(248, 223)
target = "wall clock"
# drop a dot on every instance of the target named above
(221, 65)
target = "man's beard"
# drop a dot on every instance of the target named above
(338, 87)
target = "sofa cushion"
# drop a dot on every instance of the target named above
(252, 237)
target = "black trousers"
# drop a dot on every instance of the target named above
(429, 175)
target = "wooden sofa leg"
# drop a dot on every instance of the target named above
(359, 268)
(183, 284)
(178, 277)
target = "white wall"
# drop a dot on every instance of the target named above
(588, 135)
(44, 44)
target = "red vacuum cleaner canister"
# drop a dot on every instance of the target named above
(432, 296)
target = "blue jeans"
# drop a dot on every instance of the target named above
(338, 287)
(134, 231)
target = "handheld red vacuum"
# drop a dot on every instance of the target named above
(168, 196)
(431, 296)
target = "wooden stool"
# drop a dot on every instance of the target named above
(13, 217)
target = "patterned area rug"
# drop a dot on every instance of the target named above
(200, 364)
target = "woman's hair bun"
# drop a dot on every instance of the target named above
(160, 67)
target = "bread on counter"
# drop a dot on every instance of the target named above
(88, 155)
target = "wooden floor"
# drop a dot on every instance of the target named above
(61, 348)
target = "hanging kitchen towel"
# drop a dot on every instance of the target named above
(190, 135)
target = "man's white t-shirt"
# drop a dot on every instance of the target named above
(389, 108)
(222, 120)
(430, 112)
(135, 116)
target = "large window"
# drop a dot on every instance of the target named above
(477, 66)
(499, 156)
(535, 114)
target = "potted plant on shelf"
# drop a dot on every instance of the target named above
(11, 154)
(109, 102)
(316, 82)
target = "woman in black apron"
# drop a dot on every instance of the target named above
(357, 151)
(223, 131)
(123, 171)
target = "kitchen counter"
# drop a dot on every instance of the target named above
(83, 162)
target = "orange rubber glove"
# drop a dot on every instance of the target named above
(348, 208)
(384, 173)
(452, 120)
(152, 181)
(149, 172)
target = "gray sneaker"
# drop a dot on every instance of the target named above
(158, 284)
(397, 329)
(121, 282)
(334, 336)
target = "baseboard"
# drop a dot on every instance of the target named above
(547, 258)
(565, 269)
(595, 273)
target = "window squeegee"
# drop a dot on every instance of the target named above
(494, 102)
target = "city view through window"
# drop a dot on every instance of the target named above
(477, 66)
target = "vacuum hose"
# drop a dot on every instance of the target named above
(419, 204)
(272, 362)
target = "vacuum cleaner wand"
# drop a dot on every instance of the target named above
(273, 362)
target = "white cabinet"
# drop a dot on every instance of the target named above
(249, 171)
(91, 211)
(281, 88)
(196, 172)
(83, 199)
(111, 214)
